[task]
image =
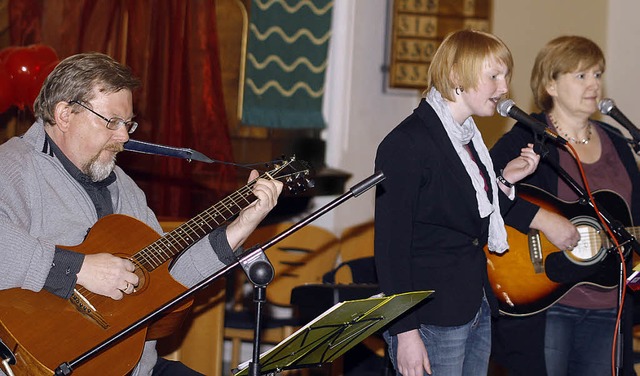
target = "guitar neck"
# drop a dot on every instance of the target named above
(634, 231)
(190, 232)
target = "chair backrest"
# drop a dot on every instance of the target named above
(303, 257)
(356, 242)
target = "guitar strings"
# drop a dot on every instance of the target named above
(145, 257)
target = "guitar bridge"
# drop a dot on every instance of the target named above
(83, 306)
(535, 251)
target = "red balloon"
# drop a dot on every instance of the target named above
(34, 89)
(6, 91)
(19, 64)
(44, 56)
(25, 65)
(6, 51)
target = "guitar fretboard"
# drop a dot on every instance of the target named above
(190, 232)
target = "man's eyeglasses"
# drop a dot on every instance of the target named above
(114, 123)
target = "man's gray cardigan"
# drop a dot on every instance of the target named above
(42, 206)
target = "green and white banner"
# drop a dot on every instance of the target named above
(285, 63)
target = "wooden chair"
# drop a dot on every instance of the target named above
(198, 343)
(300, 258)
(356, 248)
(356, 242)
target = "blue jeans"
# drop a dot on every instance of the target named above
(455, 350)
(578, 341)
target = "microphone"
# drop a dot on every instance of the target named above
(508, 108)
(167, 151)
(608, 107)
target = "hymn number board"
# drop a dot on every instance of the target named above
(418, 29)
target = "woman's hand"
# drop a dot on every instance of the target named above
(558, 229)
(413, 359)
(522, 166)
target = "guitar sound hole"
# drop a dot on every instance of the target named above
(141, 272)
(142, 281)
(590, 249)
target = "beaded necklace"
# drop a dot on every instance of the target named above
(584, 141)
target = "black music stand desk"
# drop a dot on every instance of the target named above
(334, 332)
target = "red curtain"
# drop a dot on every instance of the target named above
(172, 46)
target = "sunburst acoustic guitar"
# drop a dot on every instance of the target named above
(44, 331)
(518, 277)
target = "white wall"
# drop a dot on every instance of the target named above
(370, 109)
(364, 110)
(525, 26)
(623, 54)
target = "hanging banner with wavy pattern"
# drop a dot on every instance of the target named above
(285, 63)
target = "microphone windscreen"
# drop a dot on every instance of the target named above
(504, 106)
(606, 105)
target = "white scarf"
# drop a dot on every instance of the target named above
(460, 135)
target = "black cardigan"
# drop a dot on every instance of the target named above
(428, 232)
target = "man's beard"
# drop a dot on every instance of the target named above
(98, 171)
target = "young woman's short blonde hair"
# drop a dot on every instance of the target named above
(460, 59)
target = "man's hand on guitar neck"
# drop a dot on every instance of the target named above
(266, 192)
(107, 275)
(559, 230)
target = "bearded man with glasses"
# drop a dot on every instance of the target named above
(61, 177)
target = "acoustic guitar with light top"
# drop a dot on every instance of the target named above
(518, 277)
(44, 331)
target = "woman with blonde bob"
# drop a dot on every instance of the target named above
(440, 204)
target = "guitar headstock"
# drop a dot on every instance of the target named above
(293, 173)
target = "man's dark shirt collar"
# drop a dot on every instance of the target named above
(51, 148)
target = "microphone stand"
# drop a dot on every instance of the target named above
(635, 144)
(8, 357)
(621, 233)
(262, 272)
(259, 271)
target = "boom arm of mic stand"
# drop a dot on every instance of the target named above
(354, 191)
(66, 368)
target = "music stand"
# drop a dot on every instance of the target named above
(334, 332)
